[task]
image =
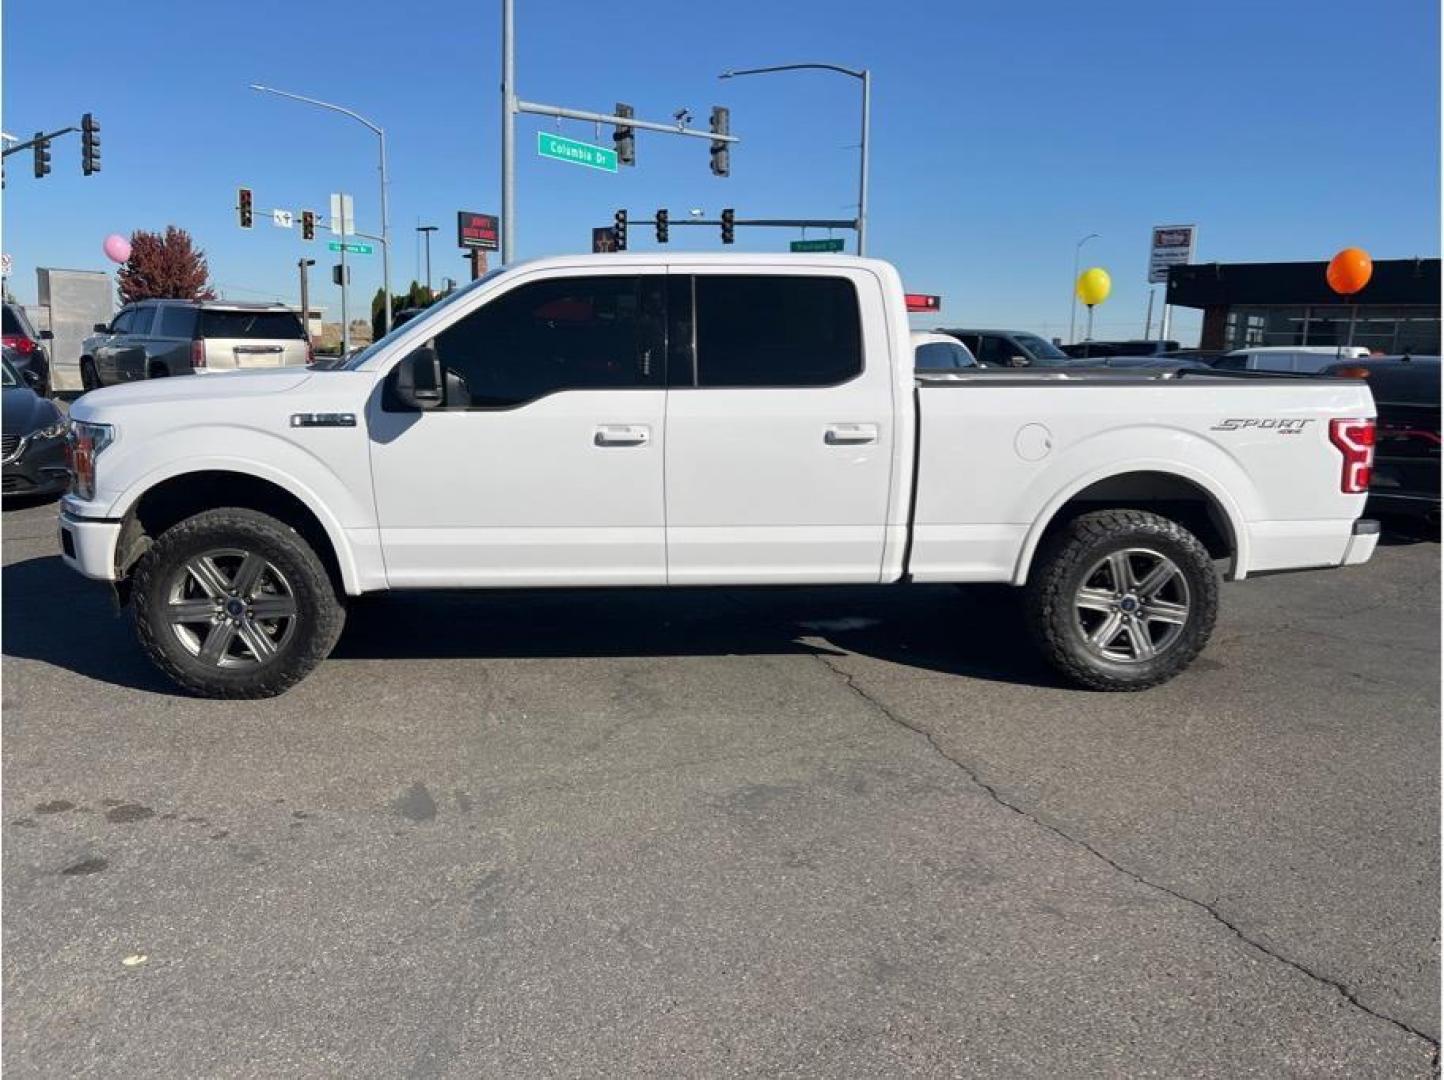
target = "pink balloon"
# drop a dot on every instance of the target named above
(117, 248)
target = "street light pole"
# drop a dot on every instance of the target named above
(1073, 290)
(305, 298)
(385, 182)
(866, 77)
(508, 133)
(427, 230)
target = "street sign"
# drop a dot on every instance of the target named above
(604, 239)
(578, 153)
(816, 245)
(343, 215)
(354, 249)
(478, 231)
(282, 218)
(919, 303)
(1172, 246)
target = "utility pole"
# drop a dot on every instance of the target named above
(427, 230)
(305, 297)
(1073, 289)
(511, 105)
(1148, 319)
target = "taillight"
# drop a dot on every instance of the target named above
(1355, 440)
(198, 353)
(20, 343)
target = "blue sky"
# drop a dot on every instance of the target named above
(1002, 132)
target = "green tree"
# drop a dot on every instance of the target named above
(413, 297)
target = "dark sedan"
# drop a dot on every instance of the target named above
(32, 439)
(1407, 441)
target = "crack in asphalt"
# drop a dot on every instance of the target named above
(993, 793)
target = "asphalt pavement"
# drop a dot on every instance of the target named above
(804, 832)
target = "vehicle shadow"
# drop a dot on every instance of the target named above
(54, 616)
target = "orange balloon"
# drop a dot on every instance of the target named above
(1350, 270)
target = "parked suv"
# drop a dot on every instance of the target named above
(1009, 348)
(27, 354)
(154, 338)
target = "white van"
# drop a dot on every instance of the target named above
(1300, 359)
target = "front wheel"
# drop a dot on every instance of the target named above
(1122, 599)
(89, 380)
(232, 603)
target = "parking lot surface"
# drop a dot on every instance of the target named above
(726, 832)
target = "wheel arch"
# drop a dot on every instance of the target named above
(1188, 496)
(155, 504)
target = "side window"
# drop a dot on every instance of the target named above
(177, 322)
(936, 355)
(123, 322)
(755, 330)
(996, 350)
(584, 333)
(141, 319)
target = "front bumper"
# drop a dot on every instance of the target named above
(38, 468)
(87, 545)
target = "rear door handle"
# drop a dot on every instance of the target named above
(850, 434)
(622, 435)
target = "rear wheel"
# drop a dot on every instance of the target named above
(1122, 599)
(232, 603)
(157, 371)
(88, 378)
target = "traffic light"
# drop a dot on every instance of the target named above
(620, 228)
(308, 224)
(243, 204)
(42, 155)
(89, 144)
(661, 226)
(721, 160)
(624, 137)
(729, 218)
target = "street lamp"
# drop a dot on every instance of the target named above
(427, 230)
(385, 216)
(1073, 287)
(866, 77)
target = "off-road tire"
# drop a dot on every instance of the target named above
(320, 610)
(1058, 572)
(89, 380)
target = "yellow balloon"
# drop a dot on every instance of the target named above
(1094, 285)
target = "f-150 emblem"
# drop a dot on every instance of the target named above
(1282, 424)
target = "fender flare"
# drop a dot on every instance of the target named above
(1227, 506)
(345, 557)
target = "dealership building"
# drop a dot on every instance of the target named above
(1246, 304)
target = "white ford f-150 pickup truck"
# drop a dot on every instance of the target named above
(642, 419)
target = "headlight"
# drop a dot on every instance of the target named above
(84, 445)
(56, 430)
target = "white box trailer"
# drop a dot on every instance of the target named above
(73, 301)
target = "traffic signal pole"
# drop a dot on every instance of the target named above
(511, 105)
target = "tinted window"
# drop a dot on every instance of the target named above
(140, 320)
(585, 333)
(776, 331)
(1040, 349)
(177, 322)
(250, 324)
(997, 350)
(938, 355)
(122, 322)
(15, 321)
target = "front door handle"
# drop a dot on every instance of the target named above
(850, 434)
(622, 435)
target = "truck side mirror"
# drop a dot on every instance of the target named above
(101, 328)
(418, 379)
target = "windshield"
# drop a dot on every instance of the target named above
(220, 323)
(10, 379)
(380, 343)
(1041, 350)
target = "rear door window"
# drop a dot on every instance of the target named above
(177, 322)
(765, 330)
(218, 323)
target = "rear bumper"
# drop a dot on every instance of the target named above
(1362, 543)
(87, 546)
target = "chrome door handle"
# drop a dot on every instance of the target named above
(622, 435)
(850, 434)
